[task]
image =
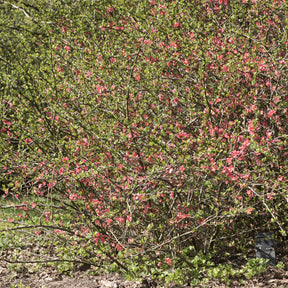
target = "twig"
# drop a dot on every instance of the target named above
(269, 210)
(33, 226)
(21, 9)
(49, 260)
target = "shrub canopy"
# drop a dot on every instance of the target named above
(145, 130)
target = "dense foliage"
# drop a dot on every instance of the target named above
(145, 132)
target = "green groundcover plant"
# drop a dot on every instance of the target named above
(143, 133)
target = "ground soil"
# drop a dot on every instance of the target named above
(50, 278)
(24, 276)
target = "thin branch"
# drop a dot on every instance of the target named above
(32, 226)
(18, 8)
(24, 12)
(269, 210)
(49, 260)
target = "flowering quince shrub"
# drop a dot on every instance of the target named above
(145, 132)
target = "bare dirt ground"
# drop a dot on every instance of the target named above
(50, 278)
(24, 276)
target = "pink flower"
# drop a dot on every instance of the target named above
(271, 113)
(73, 196)
(277, 73)
(181, 215)
(250, 126)
(270, 196)
(137, 77)
(224, 68)
(245, 145)
(250, 193)
(129, 218)
(249, 211)
(119, 247)
(173, 44)
(168, 261)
